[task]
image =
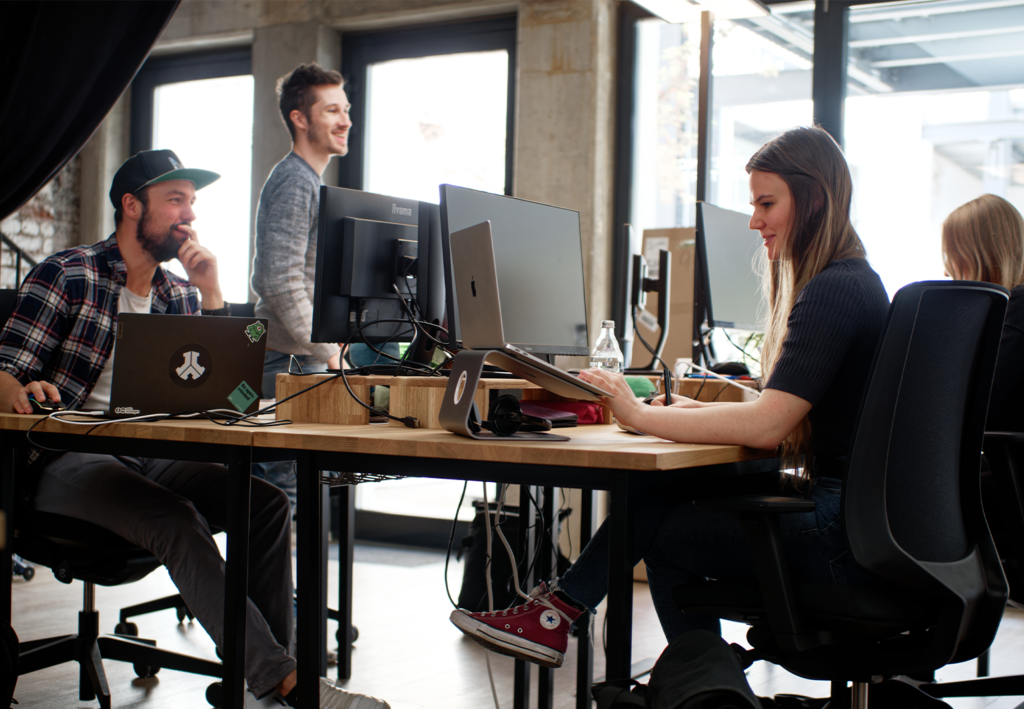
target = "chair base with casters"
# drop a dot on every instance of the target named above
(75, 549)
(126, 627)
(89, 649)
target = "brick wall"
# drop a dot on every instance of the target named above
(48, 223)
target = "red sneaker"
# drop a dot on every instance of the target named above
(537, 631)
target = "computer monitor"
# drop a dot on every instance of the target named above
(727, 288)
(539, 258)
(369, 244)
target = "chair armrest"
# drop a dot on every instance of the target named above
(1003, 437)
(758, 504)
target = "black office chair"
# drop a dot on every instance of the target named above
(75, 549)
(912, 515)
(1004, 509)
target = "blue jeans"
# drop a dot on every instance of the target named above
(682, 544)
(282, 473)
(361, 354)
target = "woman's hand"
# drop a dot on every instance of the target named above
(625, 406)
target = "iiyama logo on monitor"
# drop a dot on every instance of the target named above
(404, 211)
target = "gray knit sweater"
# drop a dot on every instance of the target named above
(285, 260)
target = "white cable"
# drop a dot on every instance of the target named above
(716, 375)
(490, 593)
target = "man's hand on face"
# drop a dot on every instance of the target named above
(201, 267)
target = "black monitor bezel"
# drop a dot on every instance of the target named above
(451, 305)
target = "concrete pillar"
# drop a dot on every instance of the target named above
(565, 125)
(101, 157)
(276, 50)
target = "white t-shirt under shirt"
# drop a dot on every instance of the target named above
(99, 398)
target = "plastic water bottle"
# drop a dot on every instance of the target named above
(606, 353)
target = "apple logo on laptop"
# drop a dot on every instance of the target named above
(190, 366)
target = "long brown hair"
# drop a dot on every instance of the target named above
(983, 240)
(813, 167)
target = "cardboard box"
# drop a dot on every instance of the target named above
(681, 243)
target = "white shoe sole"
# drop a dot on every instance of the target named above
(506, 643)
(334, 697)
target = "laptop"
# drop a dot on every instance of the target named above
(183, 363)
(476, 293)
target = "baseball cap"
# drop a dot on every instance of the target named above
(150, 167)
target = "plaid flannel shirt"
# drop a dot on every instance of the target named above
(62, 329)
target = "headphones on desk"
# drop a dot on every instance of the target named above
(506, 418)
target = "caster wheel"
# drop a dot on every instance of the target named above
(145, 671)
(127, 629)
(215, 695)
(353, 636)
(181, 614)
(28, 573)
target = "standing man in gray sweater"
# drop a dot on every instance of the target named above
(315, 110)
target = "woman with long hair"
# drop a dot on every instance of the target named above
(826, 310)
(983, 240)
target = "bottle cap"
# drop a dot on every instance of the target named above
(607, 323)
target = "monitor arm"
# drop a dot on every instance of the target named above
(642, 285)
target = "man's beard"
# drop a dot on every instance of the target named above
(162, 247)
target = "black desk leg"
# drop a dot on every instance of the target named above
(585, 651)
(620, 588)
(8, 466)
(311, 588)
(237, 577)
(524, 561)
(545, 570)
(346, 557)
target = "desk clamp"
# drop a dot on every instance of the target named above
(458, 410)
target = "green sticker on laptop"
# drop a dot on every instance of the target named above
(242, 397)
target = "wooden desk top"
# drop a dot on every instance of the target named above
(186, 431)
(598, 446)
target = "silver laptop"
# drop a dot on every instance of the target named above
(476, 292)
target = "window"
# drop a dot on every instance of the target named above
(165, 97)
(942, 124)
(431, 106)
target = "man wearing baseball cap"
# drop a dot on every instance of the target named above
(59, 345)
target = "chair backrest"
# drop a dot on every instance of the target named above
(8, 299)
(911, 503)
(74, 549)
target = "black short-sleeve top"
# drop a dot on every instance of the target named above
(1006, 407)
(826, 358)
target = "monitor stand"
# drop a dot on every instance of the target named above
(457, 409)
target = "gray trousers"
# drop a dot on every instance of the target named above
(168, 508)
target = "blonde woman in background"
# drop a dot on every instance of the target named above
(983, 240)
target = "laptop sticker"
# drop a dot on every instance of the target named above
(242, 397)
(190, 366)
(255, 331)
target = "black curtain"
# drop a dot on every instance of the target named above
(63, 65)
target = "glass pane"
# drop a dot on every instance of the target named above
(223, 145)
(665, 124)
(762, 87)
(446, 124)
(940, 125)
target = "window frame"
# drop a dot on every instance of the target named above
(174, 68)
